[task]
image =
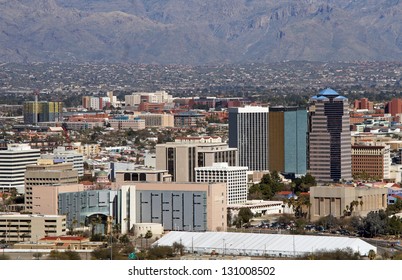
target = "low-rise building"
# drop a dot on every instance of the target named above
(16, 227)
(338, 200)
(141, 229)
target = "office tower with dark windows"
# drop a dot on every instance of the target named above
(329, 138)
(288, 140)
(248, 132)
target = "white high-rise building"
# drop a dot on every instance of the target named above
(13, 162)
(235, 178)
(248, 132)
(68, 156)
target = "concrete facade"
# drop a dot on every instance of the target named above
(45, 198)
(15, 227)
(47, 175)
(235, 178)
(182, 156)
(183, 206)
(141, 229)
(157, 120)
(124, 177)
(334, 200)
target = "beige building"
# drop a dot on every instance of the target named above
(45, 173)
(182, 156)
(123, 124)
(87, 150)
(44, 199)
(15, 227)
(124, 177)
(157, 120)
(151, 97)
(141, 229)
(84, 125)
(181, 200)
(336, 200)
(61, 243)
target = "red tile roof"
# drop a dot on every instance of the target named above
(63, 238)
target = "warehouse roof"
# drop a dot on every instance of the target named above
(254, 244)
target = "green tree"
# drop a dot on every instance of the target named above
(245, 215)
(375, 223)
(303, 184)
(269, 185)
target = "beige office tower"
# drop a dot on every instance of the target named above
(329, 138)
(182, 156)
(46, 173)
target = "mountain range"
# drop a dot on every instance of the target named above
(200, 32)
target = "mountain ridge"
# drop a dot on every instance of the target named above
(199, 32)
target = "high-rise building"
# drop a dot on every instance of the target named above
(248, 132)
(13, 163)
(42, 111)
(329, 137)
(182, 156)
(235, 178)
(288, 140)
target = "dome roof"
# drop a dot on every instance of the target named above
(101, 173)
(328, 92)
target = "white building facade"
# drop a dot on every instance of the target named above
(249, 133)
(234, 176)
(13, 162)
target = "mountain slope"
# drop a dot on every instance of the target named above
(198, 32)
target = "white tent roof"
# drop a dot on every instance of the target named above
(255, 244)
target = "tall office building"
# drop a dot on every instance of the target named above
(288, 140)
(248, 132)
(42, 111)
(329, 138)
(180, 158)
(13, 162)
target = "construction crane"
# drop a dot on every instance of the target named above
(67, 143)
(35, 107)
